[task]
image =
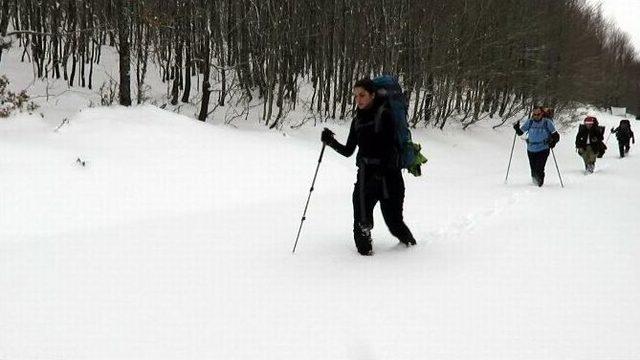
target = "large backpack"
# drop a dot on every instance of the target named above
(602, 146)
(624, 130)
(388, 88)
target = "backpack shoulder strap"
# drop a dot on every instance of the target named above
(378, 118)
(547, 121)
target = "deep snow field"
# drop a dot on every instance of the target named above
(174, 240)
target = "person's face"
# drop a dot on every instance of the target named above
(536, 114)
(363, 98)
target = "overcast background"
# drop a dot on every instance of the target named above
(626, 14)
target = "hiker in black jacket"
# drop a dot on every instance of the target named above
(379, 175)
(623, 135)
(589, 142)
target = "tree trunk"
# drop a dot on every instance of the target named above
(125, 52)
(177, 74)
(4, 21)
(187, 71)
(206, 66)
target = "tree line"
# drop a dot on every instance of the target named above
(458, 59)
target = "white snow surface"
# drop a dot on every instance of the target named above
(174, 241)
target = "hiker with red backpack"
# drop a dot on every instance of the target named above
(590, 143)
(374, 130)
(542, 136)
(623, 135)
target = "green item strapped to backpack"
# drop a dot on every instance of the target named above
(418, 160)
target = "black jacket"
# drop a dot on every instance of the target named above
(595, 135)
(375, 140)
(623, 134)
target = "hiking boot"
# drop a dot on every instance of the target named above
(537, 181)
(365, 229)
(365, 249)
(366, 253)
(363, 240)
(408, 242)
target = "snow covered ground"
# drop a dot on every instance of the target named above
(174, 240)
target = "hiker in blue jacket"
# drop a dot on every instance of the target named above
(542, 136)
(379, 174)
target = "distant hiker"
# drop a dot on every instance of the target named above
(589, 142)
(379, 176)
(542, 135)
(623, 134)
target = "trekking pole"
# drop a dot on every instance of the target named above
(510, 156)
(606, 141)
(308, 198)
(556, 162)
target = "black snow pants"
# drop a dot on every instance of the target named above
(623, 146)
(537, 162)
(372, 186)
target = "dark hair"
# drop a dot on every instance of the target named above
(366, 84)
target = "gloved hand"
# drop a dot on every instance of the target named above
(327, 136)
(613, 130)
(516, 127)
(553, 139)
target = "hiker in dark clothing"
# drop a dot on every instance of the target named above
(590, 142)
(623, 134)
(379, 175)
(542, 135)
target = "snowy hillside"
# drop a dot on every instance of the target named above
(173, 241)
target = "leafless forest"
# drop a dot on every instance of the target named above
(458, 59)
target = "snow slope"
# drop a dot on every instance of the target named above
(174, 242)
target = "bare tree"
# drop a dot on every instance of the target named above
(124, 51)
(468, 60)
